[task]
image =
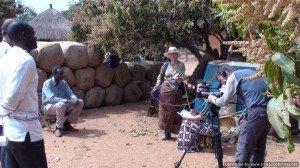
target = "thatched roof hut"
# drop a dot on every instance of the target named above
(50, 25)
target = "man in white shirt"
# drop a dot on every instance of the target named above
(19, 104)
(5, 46)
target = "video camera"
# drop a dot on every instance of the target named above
(205, 94)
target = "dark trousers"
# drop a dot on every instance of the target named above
(26, 154)
(252, 140)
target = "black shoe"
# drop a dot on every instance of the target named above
(70, 128)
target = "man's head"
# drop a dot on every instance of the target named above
(58, 73)
(4, 27)
(223, 71)
(22, 35)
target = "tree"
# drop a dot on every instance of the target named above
(68, 14)
(131, 26)
(27, 15)
(272, 38)
(9, 9)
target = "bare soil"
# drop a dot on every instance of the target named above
(123, 136)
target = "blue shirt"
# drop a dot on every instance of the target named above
(53, 93)
(202, 108)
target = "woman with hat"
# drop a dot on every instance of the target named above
(170, 95)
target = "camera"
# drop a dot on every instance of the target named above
(207, 87)
(206, 94)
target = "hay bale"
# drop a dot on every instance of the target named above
(132, 92)
(42, 78)
(85, 78)
(104, 75)
(122, 75)
(152, 70)
(34, 53)
(69, 76)
(49, 55)
(145, 88)
(94, 56)
(94, 97)
(138, 72)
(79, 93)
(113, 95)
(76, 56)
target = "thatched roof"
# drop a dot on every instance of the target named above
(50, 25)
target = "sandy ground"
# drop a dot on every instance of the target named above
(123, 136)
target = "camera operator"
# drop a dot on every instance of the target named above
(190, 124)
(251, 144)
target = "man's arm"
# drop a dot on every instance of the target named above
(70, 94)
(229, 92)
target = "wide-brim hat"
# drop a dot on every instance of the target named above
(172, 50)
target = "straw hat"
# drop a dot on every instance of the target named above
(172, 50)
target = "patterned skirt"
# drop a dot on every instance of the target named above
(188, 130)
(169, 119)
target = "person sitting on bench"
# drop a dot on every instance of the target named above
(191, 124)
(58, 99)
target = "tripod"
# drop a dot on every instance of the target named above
(216, 138)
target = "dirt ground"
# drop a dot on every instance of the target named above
(123, 136)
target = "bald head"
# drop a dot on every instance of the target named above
(4, 26)
(22, 35)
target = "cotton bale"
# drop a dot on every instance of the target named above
(75, 54)
(104, 75)
(94, 57)
(113, 95)
(121, 75)
(69, 76)
(78, 93)
(132, 92)
(138, 72)
(94, 97)
(85, 78)
(152, 70)
(145, 88)
(34, 53)
(49, 55)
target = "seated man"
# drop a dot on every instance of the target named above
(58, 99)
(190, 124)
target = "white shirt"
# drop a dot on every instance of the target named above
(4, 47)
(18, 90)
(229, 92)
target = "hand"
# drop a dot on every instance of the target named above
(193, 112)
(211, 98)
(77, 102)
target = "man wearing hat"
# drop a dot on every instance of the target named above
(170, 94)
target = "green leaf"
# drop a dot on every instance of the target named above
(289, 140)
(289, 104)
(275, 120)
(282, 111)
(291, 78)
(271, 74)
(284, 62)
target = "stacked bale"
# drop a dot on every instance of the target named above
(49, 55)
(75, 54)
(85, 78)
(94, 97)
(138, 72)
(69, 76)
(132, 92)
(104, 75)
(121, 75)
(94, 57)
(152, 71)
(94, 82)
(113, 95)
(79, 93)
